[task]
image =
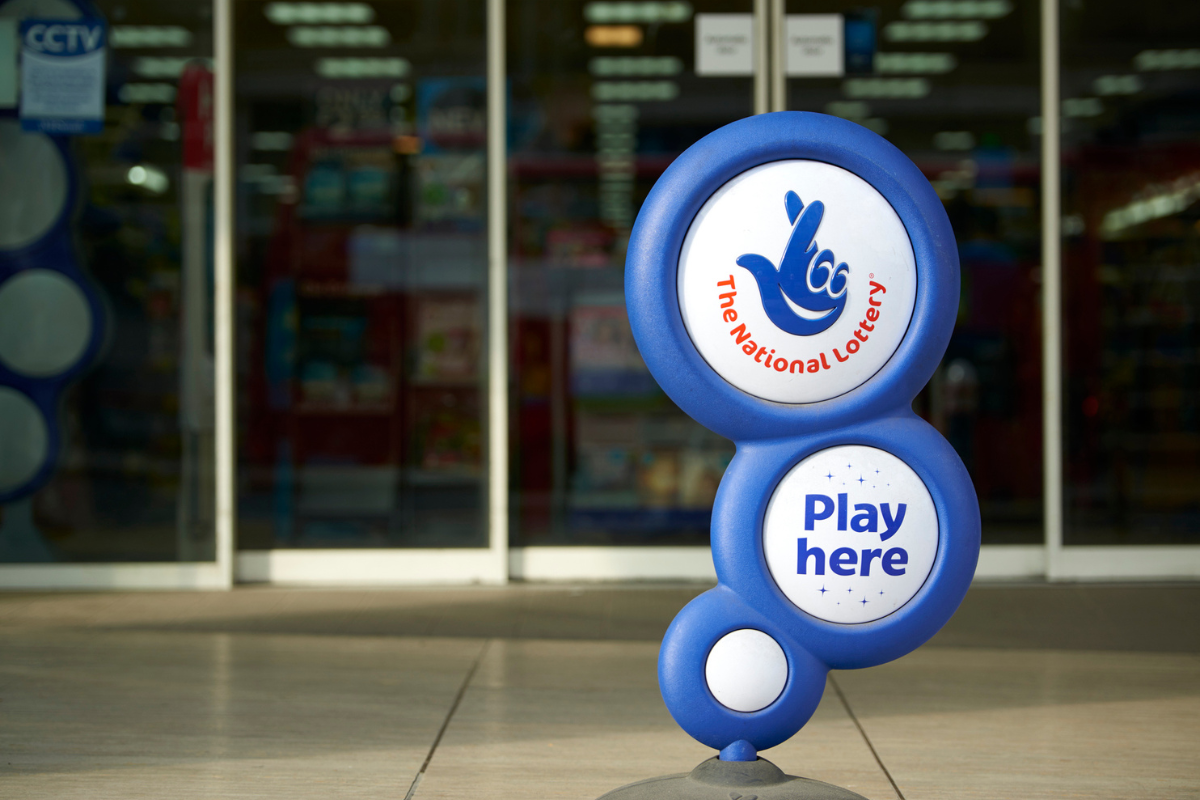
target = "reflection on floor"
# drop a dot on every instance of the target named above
(550, 692)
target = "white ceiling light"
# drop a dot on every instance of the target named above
(165, 67)
(954, 140)
(877, 125)
(848, 109)
(279, 141)
(1073, 225)
(1107, 85)
(970, 31)
(328, 36)
(634, 91)
(1167, 59)
(615, 113)
(1082, 107)
(139, 36)
(148, 177)
(319, 13)
(363, 67)
(613, 66)
(915, 63)
(147, 93)
(1164, 201)
(885, 88)
(602, 13)
(956, 9)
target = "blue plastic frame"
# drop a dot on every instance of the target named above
(773, 437)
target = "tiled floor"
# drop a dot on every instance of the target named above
(550, 692)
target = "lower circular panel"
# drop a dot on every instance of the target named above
(850, 534)
(45, 323)
(746, 670)
(24, 439)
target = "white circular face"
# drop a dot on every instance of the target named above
(23, 439)
(746, 670)
(32, 162)
(797, 281)
(850, 534)
(45, 322)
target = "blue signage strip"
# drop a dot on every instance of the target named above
(62, 75)
(792, 283)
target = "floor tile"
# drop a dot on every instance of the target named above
(125, 715)
(958, 723)
(575, 720)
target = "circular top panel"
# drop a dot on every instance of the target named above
(797, 281)
(798, 213)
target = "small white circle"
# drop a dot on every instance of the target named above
(746, 670)
(23, 439)
(45, 322)
(850, 534)
(32, 162)
(797, 281)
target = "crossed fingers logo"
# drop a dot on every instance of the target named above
(806, 293)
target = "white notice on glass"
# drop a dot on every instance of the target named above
(724, 44)
(62, 75)
(814, 45)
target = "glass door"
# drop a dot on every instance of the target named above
(362, 252)
(956, 86)
(604, 96)
(1131, 284)
(106, 295)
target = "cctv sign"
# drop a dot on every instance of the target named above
(62, 75)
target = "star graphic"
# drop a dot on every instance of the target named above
(860, 481)
(847, 466)
(881, 592)
(849, 590)
(864, 601)
(830, 476)
(876, 472)
(822, 590)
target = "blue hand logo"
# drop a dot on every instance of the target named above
(804, 295)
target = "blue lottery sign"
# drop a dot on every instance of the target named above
(792, 282)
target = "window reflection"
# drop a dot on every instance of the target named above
(604, 97)
(127, 435)
(1131, 249)
(956, 87)
(362, 256)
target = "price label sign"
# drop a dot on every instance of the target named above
(792, 283)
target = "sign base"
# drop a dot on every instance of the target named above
(732, 780)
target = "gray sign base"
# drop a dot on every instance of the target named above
(732, 780)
